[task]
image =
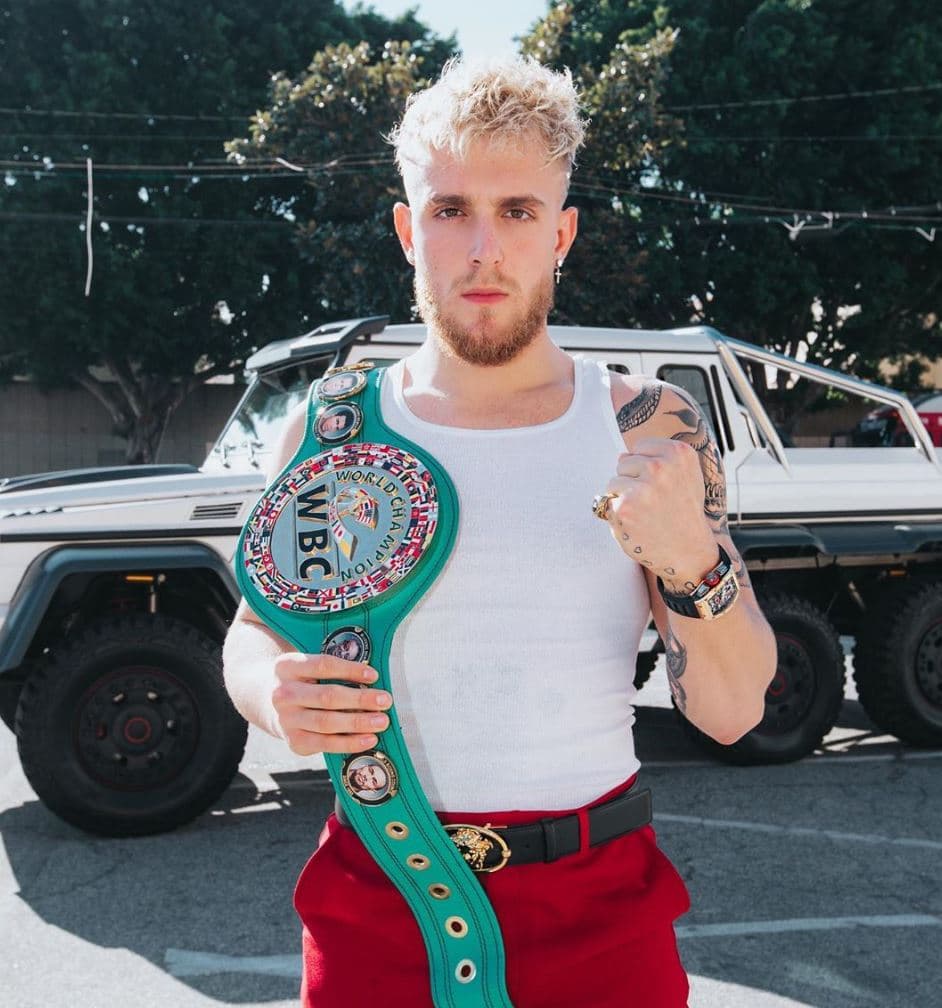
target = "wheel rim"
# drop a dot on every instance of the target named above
(929, 665)
(136, 728)
(791, 693)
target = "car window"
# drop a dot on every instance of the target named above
(932, 403)
(810, 412)
(694, 381)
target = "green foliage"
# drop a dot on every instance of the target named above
(714, 226)
(333, 121)
(193, 267)
(620, 83)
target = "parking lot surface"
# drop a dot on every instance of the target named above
(813, 884)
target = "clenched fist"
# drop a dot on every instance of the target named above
(317, 717)
(657, 513)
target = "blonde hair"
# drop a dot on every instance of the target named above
(503, 99)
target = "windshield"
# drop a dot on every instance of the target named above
(250, 436)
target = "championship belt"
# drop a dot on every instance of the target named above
(341, 546)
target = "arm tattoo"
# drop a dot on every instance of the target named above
(641, 408)
(711, 464)
(676, 666)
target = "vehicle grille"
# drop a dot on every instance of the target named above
(216, 512)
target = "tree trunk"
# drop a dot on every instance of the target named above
(146, 434)
(141, 406)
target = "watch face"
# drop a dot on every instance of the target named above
(340, 528)
(721, 598)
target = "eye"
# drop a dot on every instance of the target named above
(518, 213)
(448, 213)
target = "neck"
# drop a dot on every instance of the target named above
(434, 370)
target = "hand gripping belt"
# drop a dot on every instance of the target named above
(338, 550)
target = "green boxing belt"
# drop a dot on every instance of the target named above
(341, 546)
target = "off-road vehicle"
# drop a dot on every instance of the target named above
(116, 586)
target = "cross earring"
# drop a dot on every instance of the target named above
(559, 269)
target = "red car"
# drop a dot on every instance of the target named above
(883, 426)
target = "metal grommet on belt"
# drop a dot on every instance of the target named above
(418, 861)
(465, 971)
(439, 891)
(397, 830)
(457, 927)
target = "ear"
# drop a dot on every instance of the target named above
(566, 231)
(402, 221)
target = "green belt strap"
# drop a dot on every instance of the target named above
(363, 519)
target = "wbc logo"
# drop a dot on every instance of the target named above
(341, 527)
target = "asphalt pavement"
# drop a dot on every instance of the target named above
(814, 885)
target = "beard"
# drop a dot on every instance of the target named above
(484, 343)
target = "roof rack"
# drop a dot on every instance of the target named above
(331, 337)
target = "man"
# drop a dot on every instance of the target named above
(512, 678)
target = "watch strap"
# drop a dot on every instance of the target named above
(712, 597)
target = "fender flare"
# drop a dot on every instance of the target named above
(897, 538)
(48, 570)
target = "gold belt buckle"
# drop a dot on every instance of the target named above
(480, 846)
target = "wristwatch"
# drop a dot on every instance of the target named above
(713, 597)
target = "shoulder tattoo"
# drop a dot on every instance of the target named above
(641, 408)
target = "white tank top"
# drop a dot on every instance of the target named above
(512, 677)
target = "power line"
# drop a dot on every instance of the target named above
(117, 136)
(838, 96)
(585, 184)
(892, 213)
(156, 117)
(810, 138)
(144, 221)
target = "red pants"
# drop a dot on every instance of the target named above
(591, 930)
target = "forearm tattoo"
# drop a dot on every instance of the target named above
(676, 666)
(641, 408)
(711, 467)
(711, 464)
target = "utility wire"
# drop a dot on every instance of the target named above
(838, 96)
(586, 184)
(157, 117)
(164, 116)
(144, 221)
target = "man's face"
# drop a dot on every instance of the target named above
(369, 778)
(484, 234)
(334, 424)
(347, 649)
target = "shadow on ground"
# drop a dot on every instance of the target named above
(223, 884)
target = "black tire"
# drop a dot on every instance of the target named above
(803, 700)
(898, 662)
(127, 729)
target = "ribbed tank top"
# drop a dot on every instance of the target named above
(512, 677)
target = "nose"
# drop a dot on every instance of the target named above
(485, 247)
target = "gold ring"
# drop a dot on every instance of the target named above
(600, 505)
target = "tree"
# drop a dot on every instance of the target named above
(620, 83)
(331, 122)
(352, 95)
(783, 212)
(194, 260)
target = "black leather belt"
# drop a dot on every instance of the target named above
(489, 848)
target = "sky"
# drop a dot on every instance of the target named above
(483, 26)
